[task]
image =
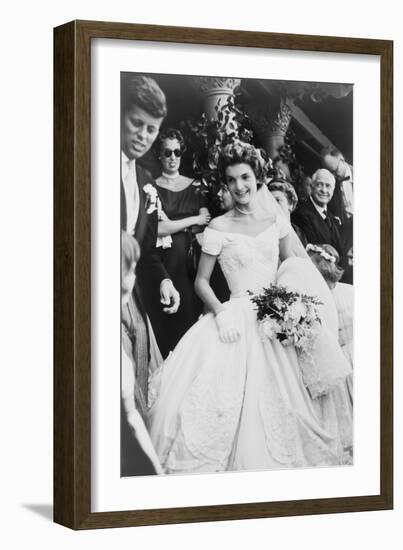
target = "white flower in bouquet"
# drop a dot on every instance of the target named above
(297, 310)
(270, 328)
(289, 325)
(311, 312)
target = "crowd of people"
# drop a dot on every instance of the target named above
(200, 389)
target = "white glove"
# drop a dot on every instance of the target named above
(228, 327)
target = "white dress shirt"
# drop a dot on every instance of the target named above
(132, 194)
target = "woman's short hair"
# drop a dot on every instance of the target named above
(326, 258)
(172, 133)
(239, 152)
(145, 93)
(130, 252)
(288, 189)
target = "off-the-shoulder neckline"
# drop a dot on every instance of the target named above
(243, 234)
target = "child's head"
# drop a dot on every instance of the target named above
(130, 257)
(225, 199)
(326, 258)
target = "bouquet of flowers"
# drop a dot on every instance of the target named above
(291, 317)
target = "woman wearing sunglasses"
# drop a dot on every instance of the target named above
(183, 214)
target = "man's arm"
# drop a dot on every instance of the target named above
(150, 267)
(153, 276)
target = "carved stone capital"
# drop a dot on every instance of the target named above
(281, 120)
(213, 85)
(268, 121)
(214, 90)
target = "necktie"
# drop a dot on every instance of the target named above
(327, 219)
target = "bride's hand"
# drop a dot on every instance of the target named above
(227, 326)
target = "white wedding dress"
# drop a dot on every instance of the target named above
(245, 405)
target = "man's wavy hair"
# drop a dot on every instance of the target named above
(239, 152)
(145, 93)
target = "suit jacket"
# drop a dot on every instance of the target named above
(315, 228)
(150, 269)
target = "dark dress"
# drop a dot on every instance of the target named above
(181, 266)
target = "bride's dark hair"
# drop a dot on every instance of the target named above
(239, 152)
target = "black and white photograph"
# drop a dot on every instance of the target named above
(236, 274)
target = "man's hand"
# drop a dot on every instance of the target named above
(169, 296)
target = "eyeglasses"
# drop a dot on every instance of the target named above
(168, 153)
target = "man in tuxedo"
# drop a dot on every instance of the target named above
(143, 108)
(318, 224)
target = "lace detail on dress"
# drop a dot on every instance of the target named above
(279, 422)
(247, 262)
(239, 254)
(280, 427)
(210, 413)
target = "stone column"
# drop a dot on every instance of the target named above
(271, 124)
(215, 90)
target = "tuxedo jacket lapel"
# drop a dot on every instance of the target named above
(321, 226)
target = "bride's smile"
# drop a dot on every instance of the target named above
(242, 184)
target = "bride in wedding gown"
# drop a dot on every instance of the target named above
(227, 398)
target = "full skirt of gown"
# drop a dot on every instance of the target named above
(238, 406)
(252, 404)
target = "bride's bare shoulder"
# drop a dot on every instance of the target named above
(221, 223)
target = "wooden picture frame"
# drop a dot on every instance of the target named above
(72, 272)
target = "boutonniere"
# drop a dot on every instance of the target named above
(151, 203)
(337, 219)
